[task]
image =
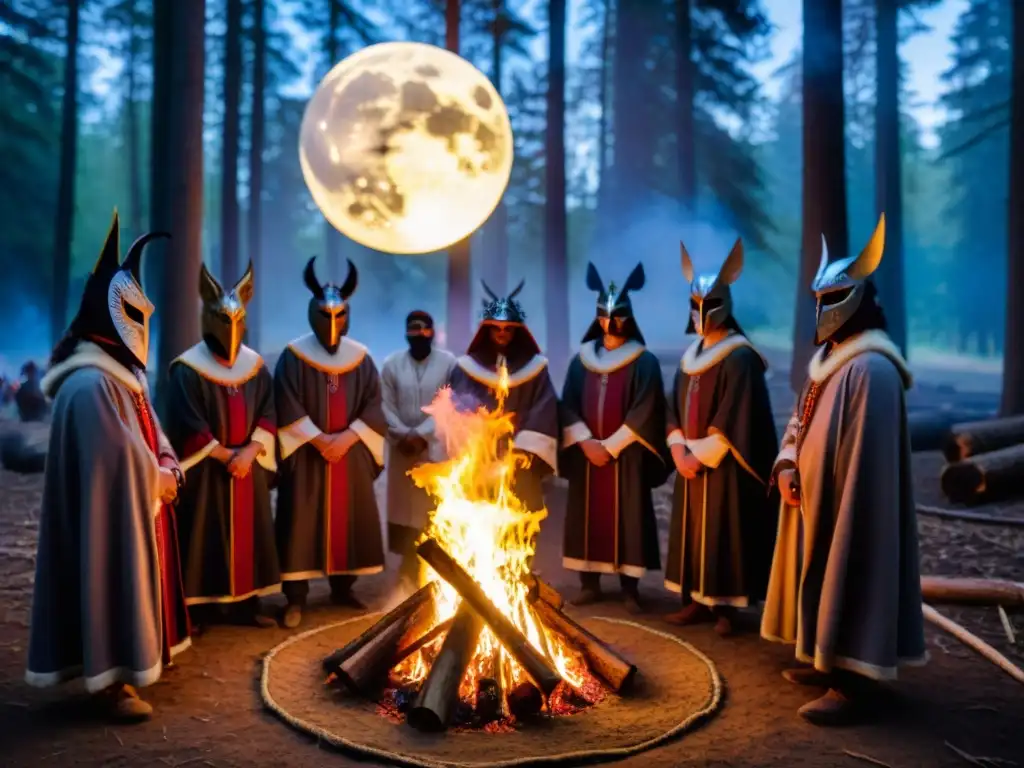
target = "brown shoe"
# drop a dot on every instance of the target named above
(347, 600)
(833, 709)
(292, 616)
(694, 613)
(587, 596)
(808, 676)
(125, 706)
(724, 626)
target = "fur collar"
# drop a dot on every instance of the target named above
(88, 355)
(475, 371)
(821, 367)
(347, 356)
(696, 360)
(609, 359)
(201, 360)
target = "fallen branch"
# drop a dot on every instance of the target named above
(865, 758)
(974, 642)
(956, 591)
(970, 517)
(1007, 626)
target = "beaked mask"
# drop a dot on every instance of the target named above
(223, 315)
(710, 295)
(328, 309)
(839, 286)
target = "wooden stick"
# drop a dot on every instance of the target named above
(438, 698)
(865, 758)
(1007, 626)
(974, 642)
(950, 591)
(530, 659)
(423, 640)
(538, 589)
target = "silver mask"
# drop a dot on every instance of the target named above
(839, 286)
(710, 297)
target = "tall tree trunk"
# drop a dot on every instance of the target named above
(256, 132)
(888, 172)
(631, 151)
(824, 151)
(686, 154)
(495, 261)
(458, 317)
(229, 143)
(132, 123)
(159, 251)
(182, 153)
(66, 185)
(602, 128)
(1013, 356)
(556, 257)
(332, 237)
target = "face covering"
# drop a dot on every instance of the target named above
(419, 346)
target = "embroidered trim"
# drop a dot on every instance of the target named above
(201, 360)
(273, 589)
(348, 355)
(370, 439)
(695, 362)
(675, 437)
(268, 460)
(610, 359)
(88, 355)
(575, 433)
(821, 367)
(296, 435)
(542, 446)
(195, 458)
(486, 376)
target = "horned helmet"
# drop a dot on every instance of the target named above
(839, 286)
(503, 309)
(710, 295)
(115, 310)
(223, 316)
(328, 308)
(614, 304)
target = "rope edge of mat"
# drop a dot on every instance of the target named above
(711, 706)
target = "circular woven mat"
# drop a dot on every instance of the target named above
(676, 689)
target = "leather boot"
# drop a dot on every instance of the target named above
(807, 676)
(124, 704)
(292, 616)
(694, 613)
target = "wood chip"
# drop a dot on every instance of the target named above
(866, 758)
(118, 738)
(1007, 626)
(202, 719)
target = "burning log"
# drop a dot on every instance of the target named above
(538, 589)
(528, 657)
(525, 700)
(368, 657)
(421, 641)
(603, 661)
(945, 591)
(977, 437)
(439, 696)
(985, 477)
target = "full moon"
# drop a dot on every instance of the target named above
(406, 147)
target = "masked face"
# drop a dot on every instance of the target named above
(502, 334)
(130, 311)
(707, 314)
(834, 309)
(328, 317)
(612, 325)
(223, 317)
(420, 340)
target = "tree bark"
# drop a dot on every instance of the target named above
(159, 161)
(974, 437)
(556, 256)
(254, 239)
(495, 261)
(332, 237)
(1013, 355)
(602, 130)
(889, 278)
(132, 124)
(458, 316)
(824, 151)
(231, 129)
(183, 156)
(993, 476)
(64, 224)
(686, 155)
(951, 591)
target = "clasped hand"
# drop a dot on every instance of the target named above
(167, 486)
(411, 444)
(596, 453)
(789, 488)
(334, 447)
(240, 463)
(687, 465)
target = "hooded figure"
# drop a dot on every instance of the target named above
(722, 436)
(222, 425)
(108, 603)
(845, 583)
(613, 447)
(410, 379)
(331, 430)
(504, 341)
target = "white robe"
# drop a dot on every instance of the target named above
(406, 387)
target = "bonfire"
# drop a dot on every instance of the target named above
(483, 642)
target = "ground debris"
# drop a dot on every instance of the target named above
(866, 758)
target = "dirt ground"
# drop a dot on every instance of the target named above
(208, 710)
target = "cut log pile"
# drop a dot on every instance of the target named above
(985, 461)
(363, 666)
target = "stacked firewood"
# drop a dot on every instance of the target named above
(985, 461)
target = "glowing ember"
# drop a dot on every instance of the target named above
(486, 530)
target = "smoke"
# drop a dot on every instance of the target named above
(26, 335)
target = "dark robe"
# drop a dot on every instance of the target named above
(532, 401)
(226, 525)
(846, 582)
(327, 517)
(723, 521)
(616, 397)
(108, 604)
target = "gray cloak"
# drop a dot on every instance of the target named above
(327, 518)
(845, 585)
(616, 397)
(101, 609)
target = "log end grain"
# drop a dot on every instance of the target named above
(962, 482)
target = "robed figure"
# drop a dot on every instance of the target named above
(613, 447)
(504, 343)
(721, 433)
(410, 379)
(331, 430)
(108, 604)
(845, 584)
(221, 422)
